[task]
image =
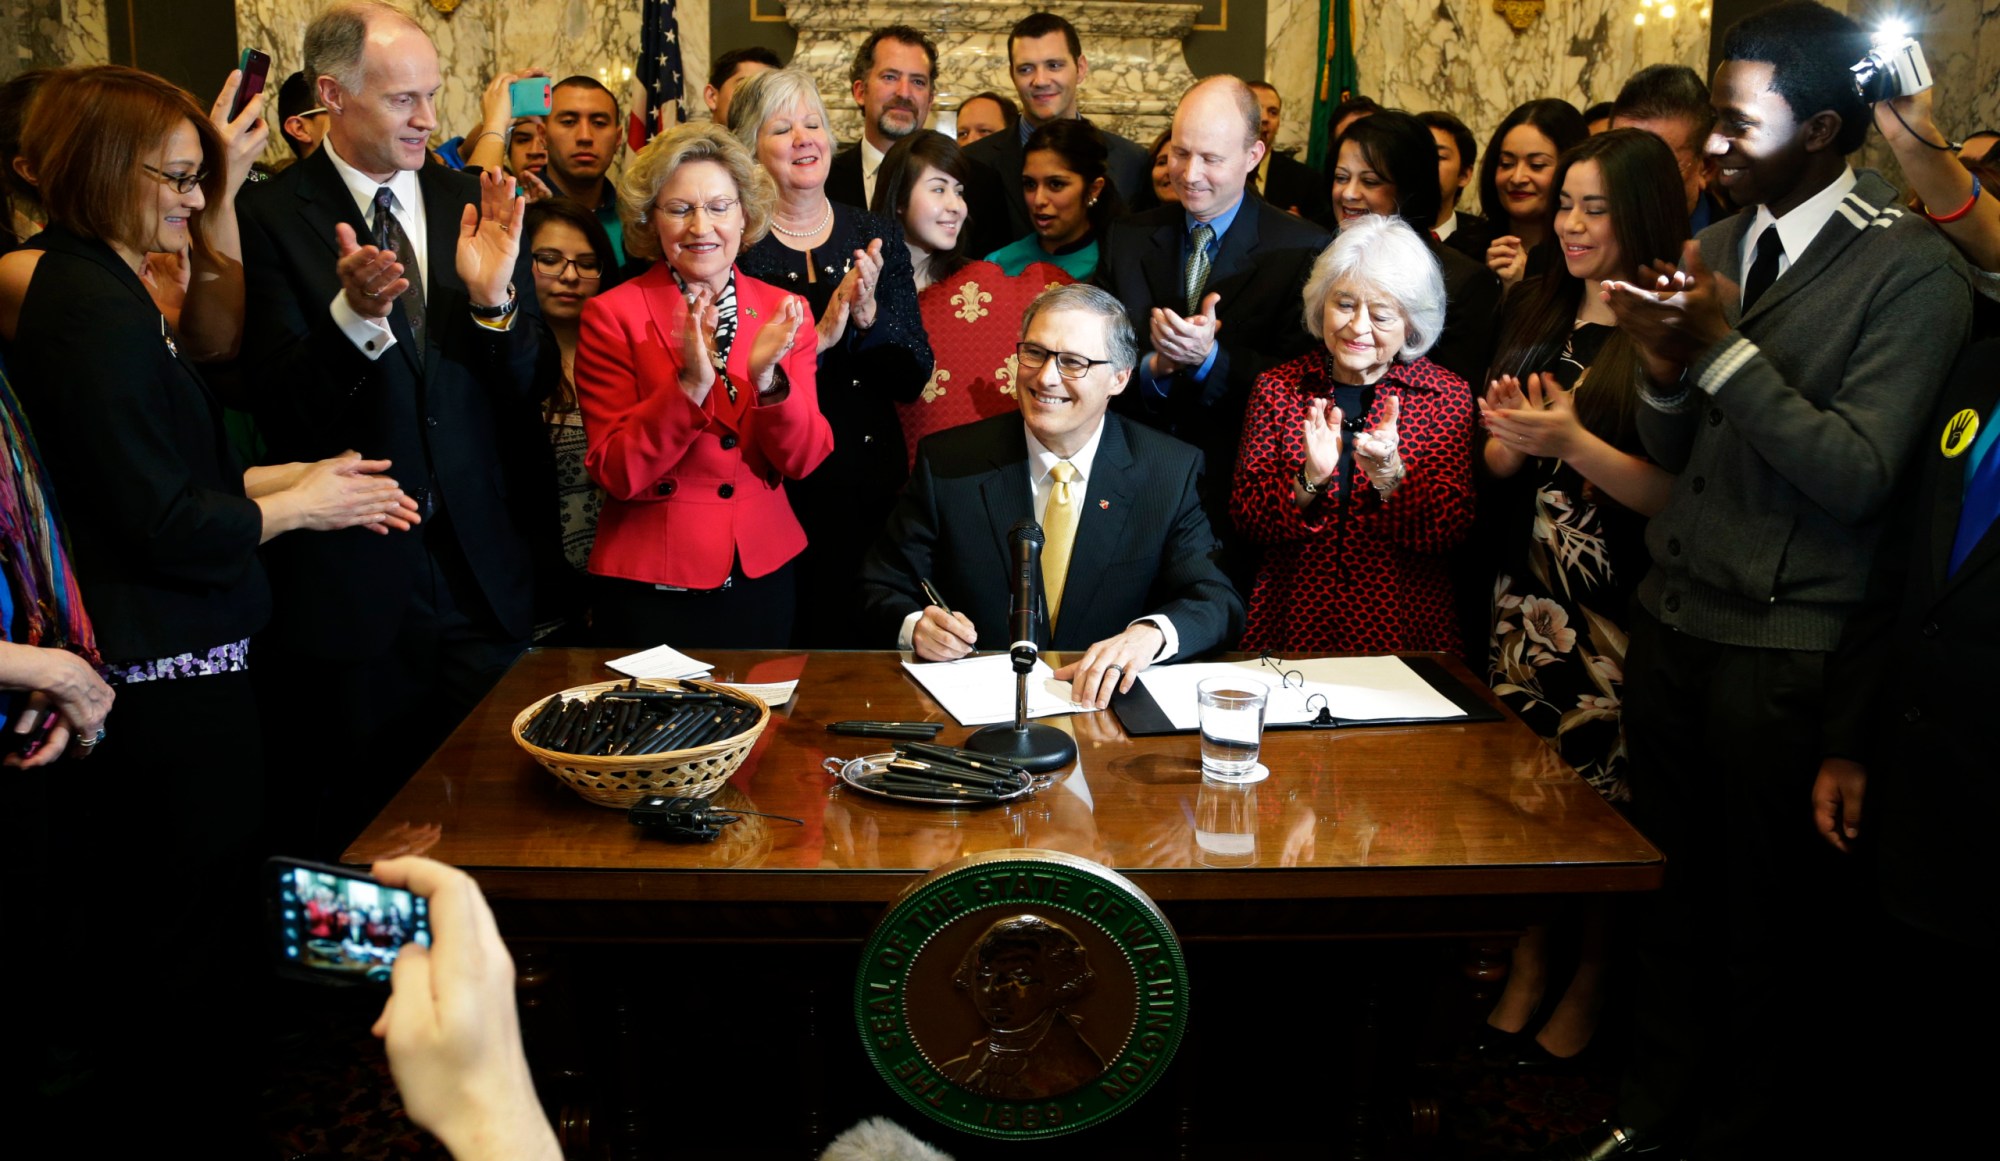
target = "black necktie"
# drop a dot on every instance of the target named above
(389, 235)
(1764, 268)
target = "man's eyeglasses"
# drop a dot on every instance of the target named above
(553, 264)
(1068, 365)
(182, 182)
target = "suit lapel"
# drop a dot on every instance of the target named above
(1100, 528)
(1162, 264)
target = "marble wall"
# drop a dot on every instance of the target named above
(42, 33)
(485, 37)
(1137, 67)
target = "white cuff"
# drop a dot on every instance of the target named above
(1171, 645)
(370, 336)
(906, 636)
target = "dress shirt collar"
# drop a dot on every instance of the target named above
(871, 159)
(403, 185)
(1220, 223)
(1449, 228)
(1798, 228)
(1041, 460)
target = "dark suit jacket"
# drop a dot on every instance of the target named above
(1260, 271)
(1912, 688)
(1128, 167)
(463, 428)
(1471, 316)
(1471, 237)
(1298, 188)
(1143, 545)
(162, 538)
(843, 178)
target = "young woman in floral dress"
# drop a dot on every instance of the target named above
(1568, 470)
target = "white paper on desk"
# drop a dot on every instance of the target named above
(979, 691)
(660, 663)
(771, 693)
(1355, 688)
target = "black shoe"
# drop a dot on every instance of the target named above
(1599, 1143)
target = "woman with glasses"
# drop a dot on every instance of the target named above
(164, 526)
(1355, 472)
(572, 257)
(697, 386)
(854, 271)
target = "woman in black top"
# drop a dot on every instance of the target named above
(854, 270)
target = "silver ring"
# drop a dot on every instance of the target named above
(87, 743)
(371, 294)
(1115, 665)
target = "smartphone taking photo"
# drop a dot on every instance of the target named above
(256, 68)
(334, 925)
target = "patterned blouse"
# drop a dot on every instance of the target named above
(1352, 570)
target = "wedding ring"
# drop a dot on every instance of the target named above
(1115, 665)
(87, 743)
(371, 294)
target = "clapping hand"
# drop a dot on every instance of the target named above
(1183, 343)
(865, 273)
(1375, 450)
(489, 240)
(833, 320)
(1540, 421)
(698, 345)
(1507, 258)
(370, 277)
(1322, 440)
(1673, 315)
(775, 339)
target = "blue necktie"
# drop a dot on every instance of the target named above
(1982, 504)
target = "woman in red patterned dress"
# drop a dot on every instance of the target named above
(1355, 473)
(971, 310)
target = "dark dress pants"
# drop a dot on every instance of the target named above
(1738, 954)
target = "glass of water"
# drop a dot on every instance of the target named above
(1232, 726)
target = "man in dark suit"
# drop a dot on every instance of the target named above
(1458, 156)
(1283, 180)
(892, 77)
(1912, 686)
(1045, 58)
(422, 348)
(1128, 573)
(1207, 339)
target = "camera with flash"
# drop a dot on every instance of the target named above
(1895, 67)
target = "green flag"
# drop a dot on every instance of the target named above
(1337, 76)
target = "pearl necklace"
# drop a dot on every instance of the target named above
(824, 218)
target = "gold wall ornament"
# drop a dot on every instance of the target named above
(1519, 13)
(445, 7)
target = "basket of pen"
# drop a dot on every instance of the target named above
(616, 742)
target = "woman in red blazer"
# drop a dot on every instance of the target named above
(696, 386)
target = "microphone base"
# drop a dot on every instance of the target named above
(1037, 749)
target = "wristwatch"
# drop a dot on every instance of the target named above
(495, 312)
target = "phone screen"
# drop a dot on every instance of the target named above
(256, 66)
(337, 925)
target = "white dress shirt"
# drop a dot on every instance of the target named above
(372, 335)
(1796, 229)
(1041, 462)
(871, 164)
(1449, 228)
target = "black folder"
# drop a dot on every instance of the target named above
(1142, 717)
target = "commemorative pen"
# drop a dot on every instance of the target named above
(932, 595)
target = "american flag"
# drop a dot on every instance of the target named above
(656, 82)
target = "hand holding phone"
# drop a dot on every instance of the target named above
(335, 925)
(256, 69)
(451, 1028)
(530, 97)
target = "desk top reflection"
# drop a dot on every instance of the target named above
(1455, 809)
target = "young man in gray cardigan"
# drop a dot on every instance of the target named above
(1791, 365)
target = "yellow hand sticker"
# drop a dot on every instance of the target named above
(1959, 432)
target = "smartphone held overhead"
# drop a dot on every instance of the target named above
(334, 925)
(532, 97)
(256, 69)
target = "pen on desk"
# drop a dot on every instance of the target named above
(914, 731)
(931, 594)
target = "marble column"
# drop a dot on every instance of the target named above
(1137, 68)
(1291, 63)
(51, 33)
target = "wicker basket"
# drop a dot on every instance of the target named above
(621, 780)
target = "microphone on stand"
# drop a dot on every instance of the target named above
(1034, 748)
(1026, 539)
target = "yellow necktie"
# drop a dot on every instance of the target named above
(1059, 528)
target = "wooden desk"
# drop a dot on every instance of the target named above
(1442, 812)
(1465, 832)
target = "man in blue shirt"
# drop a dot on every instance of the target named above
(1214, 286)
